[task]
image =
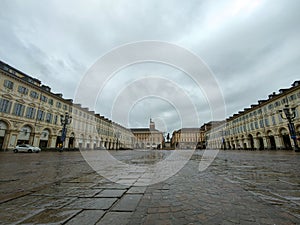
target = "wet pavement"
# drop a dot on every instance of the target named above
(239, 187)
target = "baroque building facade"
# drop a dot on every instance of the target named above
(188, 138)
(147, 138)
(30, 113)
(260, 126)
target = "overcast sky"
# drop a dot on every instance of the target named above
(251, 47)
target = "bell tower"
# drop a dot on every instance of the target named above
(152, 125)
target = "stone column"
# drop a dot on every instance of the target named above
(256, 143)
(248, 143)
(6, 140)
(12, 139)
(237, 144)
(36, 140)
(66, 142)
(266, 143)
(278, 142)
(52, 140)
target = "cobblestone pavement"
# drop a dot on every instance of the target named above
(239, 187)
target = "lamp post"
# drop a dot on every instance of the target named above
(290, 114)
(65, 120)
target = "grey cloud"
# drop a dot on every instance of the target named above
(251, 54)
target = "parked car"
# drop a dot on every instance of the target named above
(26, 148)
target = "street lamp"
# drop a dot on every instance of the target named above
(65, 120)
(290, 114)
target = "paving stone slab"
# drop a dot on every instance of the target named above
(54, 190)
(53, 202)
(244, 189)
(32, 201)
(22, 202)
(92, 203)
(16, 215)
(115, 218)
(60, 191)
(110, 186)
(127, 182)
(90, 178)
(128, 202)
(86, 217)
(137, 190)
(7, 196)
(76, 184)
(111, 193)
(51, 216)
(83, 192)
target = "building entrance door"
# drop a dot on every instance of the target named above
(287, 141)
(1, 142)
(251, 141)
(272, 142)
(261, 143)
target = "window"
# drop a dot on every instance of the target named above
(5, 105)
(58, 105)
(50, 101)
(273, 120)
(267, 122)
(65, 107)
(283, 101)
(49, 118)
(18, 109)
(279, 118)
(261, 123)
(276, 104)
(297, 114)
(30, 80)
(44, 98)
(8, 84)
(252, 127)
(256, 125)
(5, 68)
(34, 94)
(293, 97)
(265, 109)
(55, 119)
(40, 115)
(30, 112)
(22, 90)
(270, 107)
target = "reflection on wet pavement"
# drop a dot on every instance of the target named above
(271, 176)
(239, 187)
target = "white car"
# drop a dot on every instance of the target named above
(26, 148)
